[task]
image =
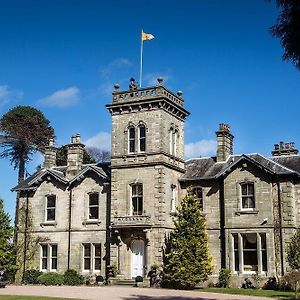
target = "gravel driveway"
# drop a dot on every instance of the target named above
(117, 293)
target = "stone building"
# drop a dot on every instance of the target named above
(87, 217)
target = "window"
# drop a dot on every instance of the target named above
(48, 257)
(137, 199)
(247, 192)
(94, 206)
(173, 140)
(131, 140)
(249, 253)
(173, 198)
(142, 138)
(50, 208)
(91, 257)
(198, 194)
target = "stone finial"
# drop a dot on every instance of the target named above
(116, 86)
(284, 149)
(160, 80)
(179, 93)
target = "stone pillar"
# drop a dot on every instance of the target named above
(75, 156)
(225, 142)
(241, 256)
(148, 250)
(50, 155)
(259, 254)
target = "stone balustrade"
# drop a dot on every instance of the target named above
(146, 93)
(131, 221)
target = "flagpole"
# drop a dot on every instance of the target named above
(141, 62)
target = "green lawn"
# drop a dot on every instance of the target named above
(250, 292)
(5, 297)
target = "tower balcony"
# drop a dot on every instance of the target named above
(131, 221)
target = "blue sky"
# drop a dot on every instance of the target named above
(63, 57)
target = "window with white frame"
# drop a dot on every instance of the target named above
(92, 257)
(249, 253)
(173, 198)
(198, 194)
(50, 207)
(142, 138)
(131, 139)
(247, 195)
(48, 257)
(93, 206)
(137, 199)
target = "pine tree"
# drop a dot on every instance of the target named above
(7, 255)
(187, 261)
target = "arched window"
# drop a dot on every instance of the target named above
(93, 206)
(137, 199)
(142, 138)
(131, 139)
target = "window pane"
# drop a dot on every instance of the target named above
(87, 250)
(97, 263)
(51, 201)
(142, 131)
(143, 145)
(94, 199)
(250, 252)
(94, 213)
(44, 263)
(44, 250)
(140, 190)
(87, 263)
(54, 250)
(54, 264)
(97, 250)
(236, 253)
(250, 189)
(131, 133)
(51, 214)
(244, 189)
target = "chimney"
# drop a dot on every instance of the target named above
(75, 156)
(225, 142)
(50, 155)
(284, 149)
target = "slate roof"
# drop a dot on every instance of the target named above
(208, 168)
(59, 173)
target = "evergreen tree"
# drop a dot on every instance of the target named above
(293, 251)
(7, 255)
(187, 261)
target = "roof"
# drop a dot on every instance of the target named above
(208, 168)
(59, 173)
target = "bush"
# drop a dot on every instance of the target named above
(71, 277)
(51, 278)
(224, 278)
(31, 276)
(139, 279)
(257, 281)
(247, 284)
(99, 278)
(271, 284)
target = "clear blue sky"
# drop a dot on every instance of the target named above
(63, 57)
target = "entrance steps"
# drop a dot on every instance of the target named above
(120, 280)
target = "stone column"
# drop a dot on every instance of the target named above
(148, 248)
(259, 254)
(241, 256)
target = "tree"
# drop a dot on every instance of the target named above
(26, 130)
(99, 155)
(7, 254)
(186, 257)
(293, 251)
(287, 30)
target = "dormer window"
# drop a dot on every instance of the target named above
(142, 138)
(247, 194)
(131, 139)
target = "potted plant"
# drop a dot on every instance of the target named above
(139, 281)
(100, 280)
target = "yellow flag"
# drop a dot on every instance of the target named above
(147, 36)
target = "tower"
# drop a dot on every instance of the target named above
(147, 161)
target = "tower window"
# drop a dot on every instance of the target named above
(142, 138)
(137, 199)
(131, 140)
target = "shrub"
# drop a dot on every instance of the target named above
(257, 280)
(247, 284)
(31, 276)
(224, 278)
(51, 278)
(271, 284)
(99, 278)
(71, 277)
(139, 279)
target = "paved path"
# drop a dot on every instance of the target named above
(117, 293)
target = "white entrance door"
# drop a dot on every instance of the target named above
(137, 258)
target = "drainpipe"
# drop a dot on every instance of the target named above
(222, 224)
(25, 238)
(69, 229)
(280, 228)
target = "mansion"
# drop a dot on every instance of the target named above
(88, 217)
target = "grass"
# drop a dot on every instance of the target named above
(249, 292)
(5, 297)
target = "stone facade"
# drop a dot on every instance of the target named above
(87, 217)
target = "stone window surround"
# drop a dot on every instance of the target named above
(87, 220)
(92, 257)
(240, 209)
(240, 249)
(136, 139)
(49, 257)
